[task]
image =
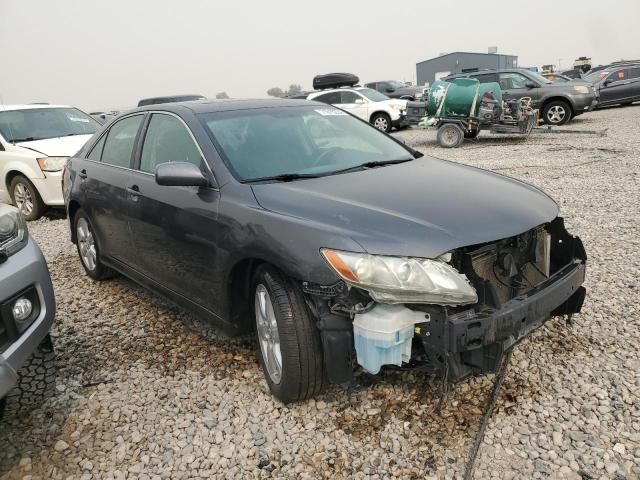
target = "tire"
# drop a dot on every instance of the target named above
(381, 121)
(557, 112)
(88, 248)
(473, 134)
(450, 135)
(280, 311)
(36, 381)
(26, 198)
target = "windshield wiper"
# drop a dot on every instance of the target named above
(19, 140)
(374, 164)
(283, 177)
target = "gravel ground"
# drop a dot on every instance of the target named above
(147, 391)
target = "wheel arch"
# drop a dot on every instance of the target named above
(377, 112)
(560, 98)
(73, 207)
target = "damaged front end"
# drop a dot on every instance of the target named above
(514, 286)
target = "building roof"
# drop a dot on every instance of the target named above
(468, 53)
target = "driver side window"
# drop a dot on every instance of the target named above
(512, 80)
(167, 140)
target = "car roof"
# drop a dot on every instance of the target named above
(31, 106)
(225, 105)
(489, 70)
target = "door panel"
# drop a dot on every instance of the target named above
(348, 102)
(174, 228)
(617, 87)
(104, 187)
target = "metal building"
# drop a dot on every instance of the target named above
(456, 62)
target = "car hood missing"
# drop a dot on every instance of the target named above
(421, 208)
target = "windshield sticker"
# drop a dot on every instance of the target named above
(329, 111)
(76, 119)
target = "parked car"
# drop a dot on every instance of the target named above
(331, 240)
(27, 311)
(395, 89)
(557, 102)
(35, 141)
(170, 99)
(616, 85)
(372, 106)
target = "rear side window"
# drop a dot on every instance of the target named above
(486, 77)
(121, 138)
(635, 72)
(167, 140)
(96, 151)
(330, 98)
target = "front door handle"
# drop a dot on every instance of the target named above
(133, 192)
(82, 174)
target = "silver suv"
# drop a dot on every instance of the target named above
(27, 311)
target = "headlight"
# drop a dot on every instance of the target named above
(581, 88)
(402, 279)
(52, 164)
(13, 230)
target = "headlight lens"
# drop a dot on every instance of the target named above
(13, 230)
(581, 88)
(402, 279)
(52, 164)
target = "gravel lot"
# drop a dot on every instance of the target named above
(147, 391)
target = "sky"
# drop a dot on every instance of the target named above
(110, 53)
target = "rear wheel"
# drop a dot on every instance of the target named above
(381, 121)
(450, 135)
(289, 348)
(88, 248)
(556, 113)
(26, 198)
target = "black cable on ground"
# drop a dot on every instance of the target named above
(500, 375)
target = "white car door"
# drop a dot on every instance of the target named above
(355, 104)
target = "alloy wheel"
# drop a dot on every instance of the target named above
(381, 123)
(556, 114)
(86, 244)
(23, 199)
(268, 336)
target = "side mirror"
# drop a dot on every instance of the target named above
(530, 85)
(359, 101)
(389, 90)
(180, 174)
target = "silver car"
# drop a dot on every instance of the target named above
(27, 308)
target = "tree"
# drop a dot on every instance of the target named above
(293, 89)
(222, 95)
(275, 92)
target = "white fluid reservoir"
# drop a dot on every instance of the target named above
(382, 336)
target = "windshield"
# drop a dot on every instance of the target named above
(373, 95)
(39, 123)
(314, 140)
(539, 78)
(595, 77)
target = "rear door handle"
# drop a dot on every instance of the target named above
(82, 174)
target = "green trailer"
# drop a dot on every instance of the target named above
(463, 107)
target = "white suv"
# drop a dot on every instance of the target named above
(368, 104)
(35, 141)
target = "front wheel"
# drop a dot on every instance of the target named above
(556, 113)
(288, 341)
(26, 198)
(88, 248)
(381, 121)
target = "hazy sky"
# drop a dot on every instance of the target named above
(110, 53)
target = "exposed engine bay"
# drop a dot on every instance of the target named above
(520, 282)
